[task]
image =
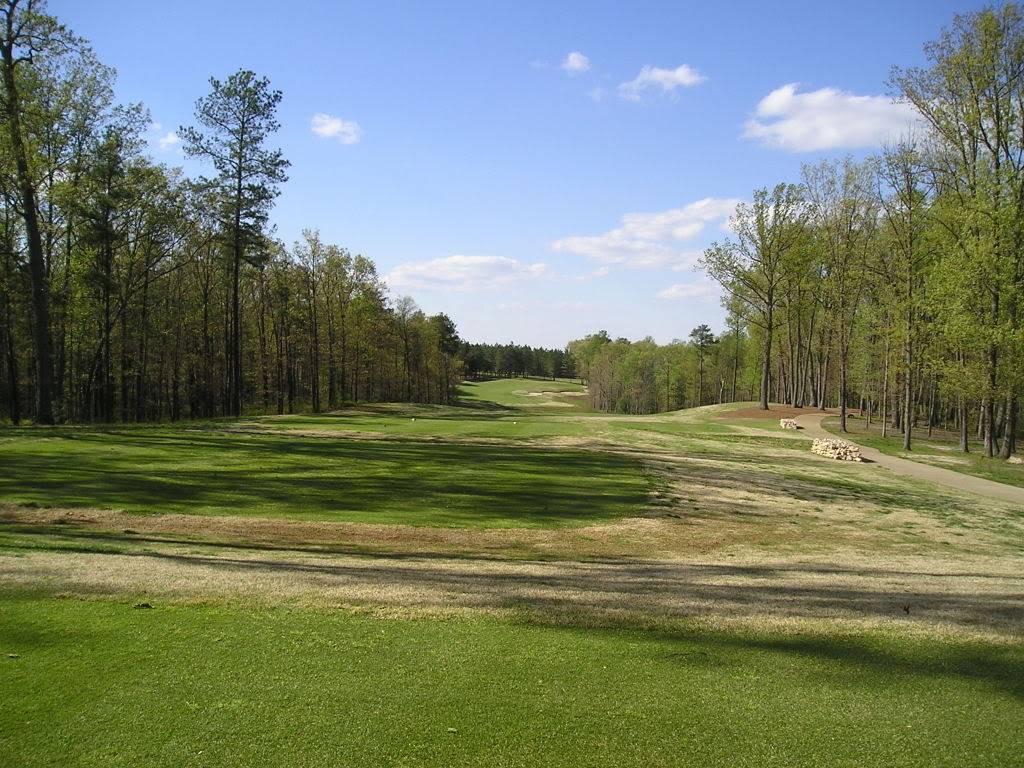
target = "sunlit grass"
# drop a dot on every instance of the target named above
(103, 684)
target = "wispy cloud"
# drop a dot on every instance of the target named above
(161, 140)
(168, 141)
(575, 63)
(700, 290)
(827, 119)
(331, 127)
(464, 273)
(652, 240)
(660, 81)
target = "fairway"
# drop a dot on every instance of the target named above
(319, 478)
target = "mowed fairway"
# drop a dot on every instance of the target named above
(404, 480)
(513, 580)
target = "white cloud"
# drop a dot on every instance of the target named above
(700, 290)
(330, 127)
(651, 240)
(463, 273)
(575, 63)
(168, 141)
(827, 119)
(534, 306)
(161, 140)
(660, 80)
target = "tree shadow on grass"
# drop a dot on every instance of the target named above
(416, 481)
(658, 589)
(866, 658)
(392, 480)
(657, 601)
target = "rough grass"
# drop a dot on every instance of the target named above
(104, 684)
(961, 596)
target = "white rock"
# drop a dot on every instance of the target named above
(833, 448)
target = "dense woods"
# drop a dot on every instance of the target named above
(129, 292)
(516, 360)
(645, 377)
(894, 285)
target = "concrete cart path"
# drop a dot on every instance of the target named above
(811, 423)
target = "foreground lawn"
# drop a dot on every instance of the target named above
(98, 683)
(300, 477)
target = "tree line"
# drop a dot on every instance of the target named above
(892, 285)
(508, 360)
(639, 377)
(129, 292)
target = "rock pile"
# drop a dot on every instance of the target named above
(840, 450)
(788, 424)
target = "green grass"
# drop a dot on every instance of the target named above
(939, 450)
(420, 421)
(480, 463)
(384, 481)
(426, 471)
(94, 682)
(99, 683)
(514, 393)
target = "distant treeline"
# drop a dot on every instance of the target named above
(516, 360)
(646, 377)
(129, 292)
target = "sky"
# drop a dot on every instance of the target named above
(537, 170)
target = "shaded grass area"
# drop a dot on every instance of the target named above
(939, 450)
(99, 683)
(384, 481)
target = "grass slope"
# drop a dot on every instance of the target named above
(101, 684)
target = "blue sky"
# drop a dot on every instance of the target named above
(485, 154)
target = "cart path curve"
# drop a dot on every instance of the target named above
(811, 423)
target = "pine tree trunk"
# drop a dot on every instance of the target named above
(962, 406)
(36, 259)
(766, 361)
